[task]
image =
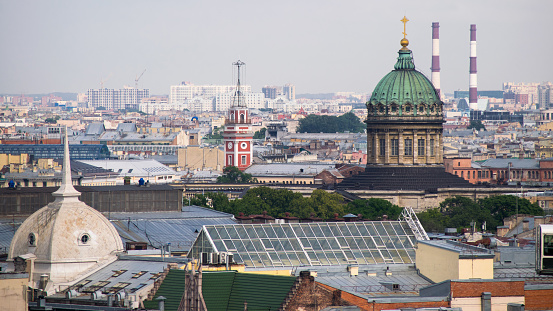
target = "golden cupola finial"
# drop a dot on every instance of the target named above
(404, 42)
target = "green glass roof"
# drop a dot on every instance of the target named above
(310, 244)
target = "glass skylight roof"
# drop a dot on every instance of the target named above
(310, 244)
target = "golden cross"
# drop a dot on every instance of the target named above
(404, 20)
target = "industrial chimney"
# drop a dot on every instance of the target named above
(473, 82)
(436, 57)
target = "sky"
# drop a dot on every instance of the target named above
(320, 46)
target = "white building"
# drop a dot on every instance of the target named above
(126, 98)
(223, 102)
(187, 90)
(149, 170)
(154, 104)
(199, 104)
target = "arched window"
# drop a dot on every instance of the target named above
(242, 118)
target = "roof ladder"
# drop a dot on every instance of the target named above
(413, 221)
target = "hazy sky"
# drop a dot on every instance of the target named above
(320, 46)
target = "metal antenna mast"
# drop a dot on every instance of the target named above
(238, 95)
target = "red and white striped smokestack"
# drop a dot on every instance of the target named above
(473, 82)
(436, 57)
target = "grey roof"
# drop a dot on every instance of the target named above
(515, 163)
(133, 167)
(126, 127)
(464, 250)
(375, 280)
(177, 228)
(288, 169)
(7, 230)
(132, 267)
(95, 129)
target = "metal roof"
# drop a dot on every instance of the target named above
(178, 228)
(133, 167)
(515, 163)
(288, 169)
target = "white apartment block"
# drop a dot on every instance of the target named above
(111, 99)
(199, 104)
(154, 104)
(187, 90)
(223, 102)
(545, 95)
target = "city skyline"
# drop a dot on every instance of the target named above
(320, 47)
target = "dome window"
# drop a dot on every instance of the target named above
(31, 239)
(84, 239)
(408, 109)
(421, 108)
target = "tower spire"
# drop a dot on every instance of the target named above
(404, 42)
(66, 192)
(238, 95)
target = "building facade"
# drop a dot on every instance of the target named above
(111, 99)
(186, 90)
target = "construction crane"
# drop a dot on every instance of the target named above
(104, 80)
(138, 78)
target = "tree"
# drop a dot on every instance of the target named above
(477, 125)
(260, 134)
(503, 206)
(232, 175)
(461, 212)
(432, 220)
(374, 209)
(329, 124)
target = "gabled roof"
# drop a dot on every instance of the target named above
(228, 290)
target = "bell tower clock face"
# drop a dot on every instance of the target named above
(229, 145)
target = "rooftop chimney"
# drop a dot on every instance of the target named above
(436, 57)
(473, 82)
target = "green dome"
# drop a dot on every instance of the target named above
(404, 92)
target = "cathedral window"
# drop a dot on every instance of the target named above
(382, 147)
(84, 239)
(421, 146)
(395, 146)
(244, 160)
(431, 147)
(32, 239)
(408, 146)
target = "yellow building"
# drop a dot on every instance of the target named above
(195, 157)
(450, 260)
(16, 159)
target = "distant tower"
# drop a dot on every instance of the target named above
(238, 133)
(436, 57)
(473, 82)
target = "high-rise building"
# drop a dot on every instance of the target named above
(523, 88)
(270, 91)
(126, 98)
(223, 102)
(545, 95)
(238, 134)
(289, 90)
(186, 90)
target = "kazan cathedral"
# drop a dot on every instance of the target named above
(404, 134)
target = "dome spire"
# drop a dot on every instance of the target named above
(66, 192)
(404, 42)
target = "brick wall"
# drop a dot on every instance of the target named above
(498, 289)
(539, 299)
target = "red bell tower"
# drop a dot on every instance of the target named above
(238, 134)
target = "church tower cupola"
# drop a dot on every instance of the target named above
(238, 134)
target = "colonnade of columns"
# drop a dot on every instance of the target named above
(394, 142)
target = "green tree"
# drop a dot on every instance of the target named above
(432, 220)
(461, 212)
(374, 209)
(477, 125)
(260, 134)
(232, 175)
(326, 204)
(330, 124)
(503, 206)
